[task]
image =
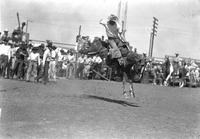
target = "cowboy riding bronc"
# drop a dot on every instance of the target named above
(115, 37)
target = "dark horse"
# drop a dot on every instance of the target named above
(132, 68)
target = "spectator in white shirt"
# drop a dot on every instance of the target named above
(34, 61)
(70, 65)
(52, 64)
(46, 60)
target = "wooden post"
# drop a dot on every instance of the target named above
(26, 26)
(150, 46)
(18, 21)
(153, 34)
(76, 64)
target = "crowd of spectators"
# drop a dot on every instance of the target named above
(45, 61)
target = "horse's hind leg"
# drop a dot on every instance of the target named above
(124, 86)
(131, 90)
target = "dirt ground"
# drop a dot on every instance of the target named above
(80, 109)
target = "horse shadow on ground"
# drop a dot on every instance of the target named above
(121, 102)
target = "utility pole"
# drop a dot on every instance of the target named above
(26, 33)
(150, 43)
(152, 35)
(77, 49)
(27, 21)
(122, 15)
(18, 20)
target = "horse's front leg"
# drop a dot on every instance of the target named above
(169, 75)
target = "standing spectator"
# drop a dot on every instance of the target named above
(21, 55)
(87, 67)
(80, 68)
(52, 64)
(96, 65)
(59, 62)
(46, 60)
(34, 61)
(157, 75)
(12, 60)
(40, 70)
(176, 63)
(70, 66)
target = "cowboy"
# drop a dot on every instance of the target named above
(46, 60)
(34, 61)
(114, 34)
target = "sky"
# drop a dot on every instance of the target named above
(59, 20)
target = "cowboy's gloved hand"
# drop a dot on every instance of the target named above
(102, 21)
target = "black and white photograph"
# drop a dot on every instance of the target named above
(99, 69)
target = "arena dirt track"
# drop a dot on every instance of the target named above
(96, 109)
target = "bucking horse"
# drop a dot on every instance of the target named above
(132, 68)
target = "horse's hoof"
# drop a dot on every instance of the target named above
(165, 83)
(125, 95)
(181, 84)
(132, 94)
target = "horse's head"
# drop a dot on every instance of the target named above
(100, 47)
(96, 47)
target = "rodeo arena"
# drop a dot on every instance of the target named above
(99, 87)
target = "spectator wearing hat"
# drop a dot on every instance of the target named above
(70, 65)
(52, 63)
(21, 55)
(40, 69)
(12, 58)
(34, 61)
(46, 60)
